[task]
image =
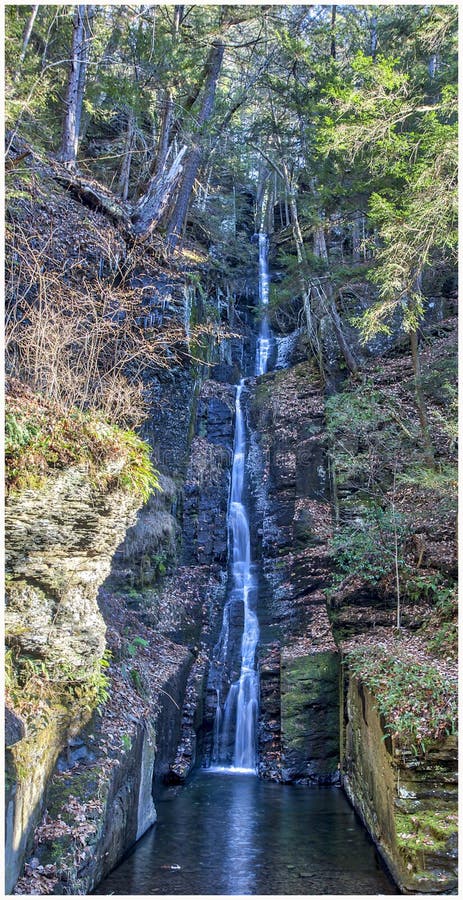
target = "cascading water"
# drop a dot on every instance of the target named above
(239, 714)
(264, 339)
(249, 836)
(243, 695)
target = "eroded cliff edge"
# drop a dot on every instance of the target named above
(61, 536)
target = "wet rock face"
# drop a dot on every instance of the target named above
(208, 478)
(299, 720)
(172, 396)
(151, 546)
(310, 717)
(408, 805)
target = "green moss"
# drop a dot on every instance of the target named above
(44, 692)
(309, 682)
(41, 438)
(418, 702)
(426, 830)
(84, 784)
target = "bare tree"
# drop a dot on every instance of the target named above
(26, 38)
(80, 48)
(177, 218)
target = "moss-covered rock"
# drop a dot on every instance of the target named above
(310, 717)
(408, 804)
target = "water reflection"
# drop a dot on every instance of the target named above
(234, 834)
(241, 847)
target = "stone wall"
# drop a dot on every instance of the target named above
(408, 804)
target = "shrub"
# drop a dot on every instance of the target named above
(370, 546)
(418, 701)
(41, 438)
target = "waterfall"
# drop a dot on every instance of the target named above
(240, 710)
(264, 278)
(244, 586)
(187, 306)
(265, 335)
(239, 713)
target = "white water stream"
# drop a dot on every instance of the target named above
(239, 714)
(264, 339)
(240, 710)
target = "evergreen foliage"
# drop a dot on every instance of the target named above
(200, 126)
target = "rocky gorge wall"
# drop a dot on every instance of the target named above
(408, 805)
(298, 658)
(59, 543)
(161, 608)
(318, 722)
(95, 792)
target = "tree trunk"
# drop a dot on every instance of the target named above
(81, 38)
(420, 404)
(303, 270)
(83, 66)
(163, 143)
(177, 219)
(337, 325)
(374, 36)
(151, 207)
(321, 251)
(333, 38)
(123, 186)
(319, 243)
(26, 38)
(356, 239)
(168, 107)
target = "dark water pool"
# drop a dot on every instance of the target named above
(234, 834)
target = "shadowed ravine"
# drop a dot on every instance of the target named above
(226, 831)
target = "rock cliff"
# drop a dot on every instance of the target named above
(299, 662)
(60, 540)
(95, 797)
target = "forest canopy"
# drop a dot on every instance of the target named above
(333, 128)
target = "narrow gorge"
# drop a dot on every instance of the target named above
(230, 454)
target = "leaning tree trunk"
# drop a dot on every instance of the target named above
(338, 330)
(152, 206)
(177, 219)
(124, 177)
(81, 37)
(26, 38)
